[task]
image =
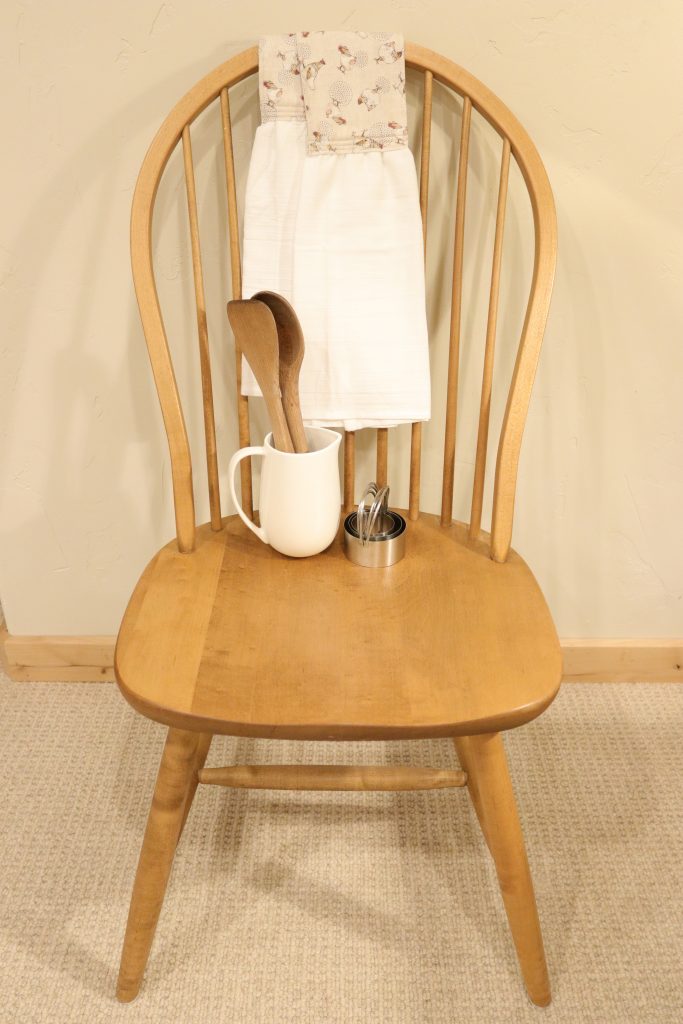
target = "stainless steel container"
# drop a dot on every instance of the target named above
(383, 548)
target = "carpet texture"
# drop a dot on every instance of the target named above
(341, 908)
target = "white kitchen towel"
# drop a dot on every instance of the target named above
(339, 234)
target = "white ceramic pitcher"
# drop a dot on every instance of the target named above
(300, 499)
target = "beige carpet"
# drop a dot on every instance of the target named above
(342, 909)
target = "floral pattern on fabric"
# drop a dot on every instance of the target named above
(348, 86)
(280, 88)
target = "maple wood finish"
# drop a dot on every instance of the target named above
(334, 777)
(223, 635)
(170, 805)
(249, 643)
(456, 309)
(203, 335)
(487, 378)
(382, 456)
(236, 287)
(494, 801)
(349, 469)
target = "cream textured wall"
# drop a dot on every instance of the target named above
(84, 482)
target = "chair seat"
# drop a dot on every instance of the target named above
(236, 638)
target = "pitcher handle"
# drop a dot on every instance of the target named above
(244, 453)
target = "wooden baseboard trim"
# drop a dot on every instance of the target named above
(91, 659)
(47, 659)
(657, 660)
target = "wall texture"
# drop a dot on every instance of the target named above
(84, 482)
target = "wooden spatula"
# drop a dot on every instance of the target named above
(291, 343)
(256, 335)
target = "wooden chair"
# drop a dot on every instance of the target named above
(467, 645)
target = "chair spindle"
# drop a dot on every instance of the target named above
(349, 469)
(456, 308)
(382, 455)
(425, 151)
(236, 275)
(416, 429)
(203, 336)
(489, 351)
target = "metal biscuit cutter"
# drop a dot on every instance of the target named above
(374, 536)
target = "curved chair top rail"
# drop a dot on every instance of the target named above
(516, 143)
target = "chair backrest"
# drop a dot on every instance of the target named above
(515, 145)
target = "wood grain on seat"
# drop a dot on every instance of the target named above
(239, 639)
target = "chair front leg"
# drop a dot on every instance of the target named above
(490, 787)
(170, 805)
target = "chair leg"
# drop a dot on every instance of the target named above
(167, 813)
(494, 800)
(462, 746)
(203, 747)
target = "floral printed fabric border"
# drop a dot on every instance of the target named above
(348, 86)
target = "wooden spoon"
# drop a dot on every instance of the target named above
(291, 342)
(256, 335)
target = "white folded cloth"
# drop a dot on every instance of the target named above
(338, 233)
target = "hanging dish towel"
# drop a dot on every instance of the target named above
(332, 222)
